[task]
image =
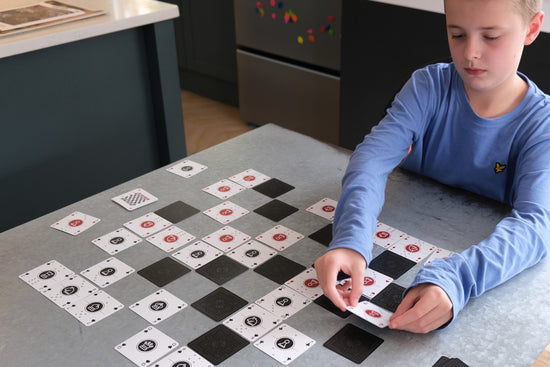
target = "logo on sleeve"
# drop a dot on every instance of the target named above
(499, 167)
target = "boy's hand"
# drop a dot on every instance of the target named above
(425, 308)
(327, 268)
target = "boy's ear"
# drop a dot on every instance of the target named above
(534, 28)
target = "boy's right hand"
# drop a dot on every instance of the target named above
(327, 268)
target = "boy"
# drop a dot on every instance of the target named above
(494, 125)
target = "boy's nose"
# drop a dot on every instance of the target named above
(472, 51)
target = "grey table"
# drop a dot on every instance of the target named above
(508, 326)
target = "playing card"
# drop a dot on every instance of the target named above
(276, 210)
(386, 236)
(107, 272)
(94, 308)
(373, 282)
(280, 237)
(391, 264)
(226, 212)
(353, 343)
(224, 189)
(252, 322)
(147, 224)
(170, 239)
(67, 291)
(183, 357)
(306, 283)
(279, 269)
(116, 241)
(221, 270)
(439, 253)
(219, 304)
(197, 254)
(218, 344)
(324, 208)
(226, 238)
(134, 199)
(283, 302)
(249, 178)
(412, 248)
(187, 168)
(323, 235)
(44, 276)
(158, 306)
(147, 346)
(273, 188)
(284, 343)
(372, 313)
(390, 297)
(163, 271)
(75, 223)
(252, 253)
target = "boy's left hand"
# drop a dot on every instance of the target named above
(425, 308)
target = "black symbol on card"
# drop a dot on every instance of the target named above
(283, 301)
(107, 271)
(284, 343)
(158, 305)
(181, 364)
(146, 345)
(253, 321)
(94, 307)
(252, 253)
(197, 254)
(69, 290)
(116, 240)
(186, 168)
(48, 274)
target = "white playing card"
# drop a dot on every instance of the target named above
(306, 283)
(158, 306)
(147, 346)
(324, 208)
(284, 343)
(134, 199)
(170, 239)
(44, 276)
(252, 253)
(116, 241)
(147, 224)
(226, 238)
(412, 248)
(224, 189)
(107, 272)
(252, 322)
(386, 236)
(187, 168)
(75, 223)
(280, 237)
(183, 357)
(197, 254)
(249, 178)
(374, 314)
(283, 302)
(439, 253)
(226, 212)
(94, 308)
(373, 282)
(69, 290)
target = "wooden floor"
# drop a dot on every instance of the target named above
(208, 122)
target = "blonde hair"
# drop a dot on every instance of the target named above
(527, 8)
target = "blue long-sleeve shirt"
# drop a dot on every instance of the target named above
(505, 158)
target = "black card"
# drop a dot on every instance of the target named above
(353, 343)
(221, 270)
(390, 297)
(177, 211)
(391, 264)
(219, 304)
(276, 210)
(163, 271)
(218, 344)
(273, 188)
(279, 269)
(449, 362)
(323, 236)
(327, 304)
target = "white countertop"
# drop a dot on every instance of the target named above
(120, 15)
(436, 6)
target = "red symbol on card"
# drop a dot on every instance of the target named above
(412, 248)
(382, 234)
(249, 178)
(328, 208)
(226, 212)
(224, 188)
(311, 283)
(373, 313)
(148, 224)
(368, 281)
(226, 238)
(75, 222)
(171, 238)
(279, 236)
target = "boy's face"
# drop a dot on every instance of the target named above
(486, 39)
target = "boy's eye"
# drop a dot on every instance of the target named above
(457, 36)
(491, 38)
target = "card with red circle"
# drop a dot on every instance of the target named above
(324, 208)
(147, 224)
(75, 223)
(226, 212)
(170, 238)
(224, 189)
(280, 237)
